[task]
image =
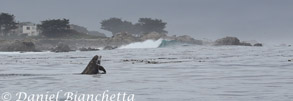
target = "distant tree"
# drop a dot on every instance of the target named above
(79, 29)
(144, 25)
(116, 25)
(55, 27)
(152, 25)
(7, 23)
(135, 29)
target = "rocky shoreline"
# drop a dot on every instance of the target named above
(233, 41)
(108, 43)
(65, 45)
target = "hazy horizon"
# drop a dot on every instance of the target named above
(268, 21)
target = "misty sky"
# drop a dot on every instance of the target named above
(269, 21)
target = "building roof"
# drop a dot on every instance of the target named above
(27, 24)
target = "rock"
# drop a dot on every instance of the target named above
(153, 36)
(123, 38)
(245, 44)
(23, 46)
(88, 49)
(94, 66)
(258, 44)
(188, 39)
(234, 41)
(228, 41)
(61, 48)
(110, 47)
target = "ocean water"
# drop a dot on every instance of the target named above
(187, 73)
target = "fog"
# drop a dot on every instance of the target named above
(267, 21)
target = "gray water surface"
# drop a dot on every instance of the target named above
(194, 73)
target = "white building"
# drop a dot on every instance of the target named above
(30, 30)
(27, 29)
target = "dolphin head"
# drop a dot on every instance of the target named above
(97, 59)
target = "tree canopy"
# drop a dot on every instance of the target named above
(152, 25)
(116, 25)
(144, 25)
(54, 27)
(7, 23)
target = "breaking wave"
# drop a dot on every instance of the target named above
(144, 44)
(152, 44)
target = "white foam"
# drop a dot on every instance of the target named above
(145, 44)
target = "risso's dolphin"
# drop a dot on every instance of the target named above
(94, 66)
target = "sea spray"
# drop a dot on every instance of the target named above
(144, 44)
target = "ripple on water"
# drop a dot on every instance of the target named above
(224, 73)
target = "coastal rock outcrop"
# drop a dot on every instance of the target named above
(110, 47)
(188, 39)
(228, 41)
(181, 39)
(61, 48)
(94, 66)
(245, 44)
(88, 49)
(234, 41)
(122, 39)
(258, 44)
(153, 36)
(23, 46)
